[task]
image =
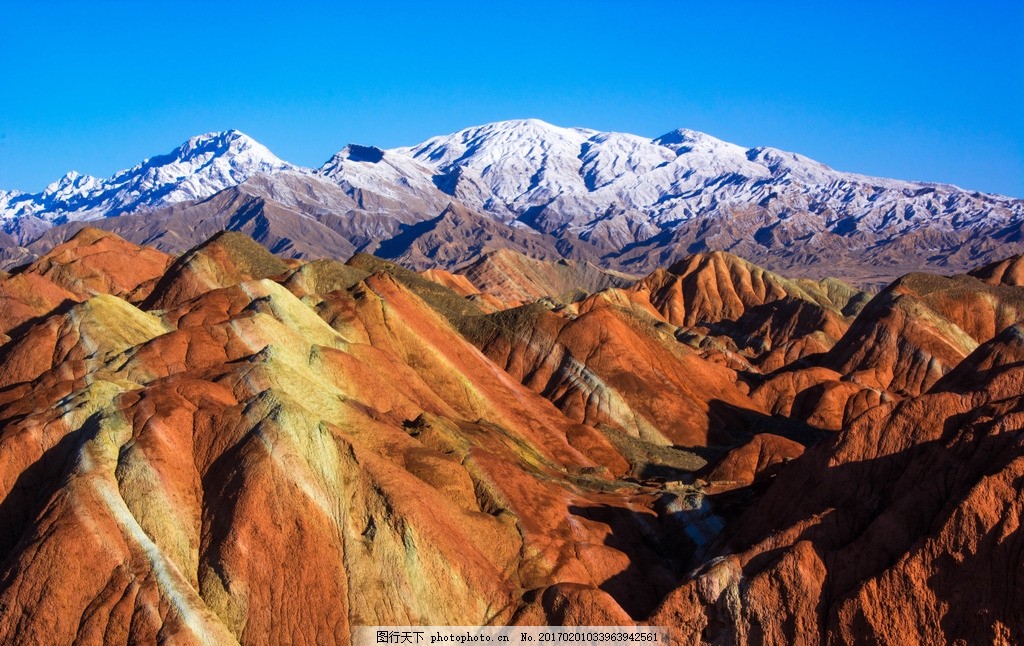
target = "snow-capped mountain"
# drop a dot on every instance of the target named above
(584, 181)
(625, 201)
(197, 169)
(366, 170)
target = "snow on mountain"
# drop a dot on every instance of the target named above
(6, 197)
(197, 169)
(574, 179)
(530, 163)
(622, 186)
(367, 169)
(523, 162)
(626, 201)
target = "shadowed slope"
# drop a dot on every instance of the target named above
(1009, 271)
(876, 535)
(920, 327)
(458, 235)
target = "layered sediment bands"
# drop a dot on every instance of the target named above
(919, 328)
(707, 288)
(770, 320)
(96, 262)
(608, 366)
(24, 298)
(455, 282)
(232, 448)
(1002, 272)
(819, 396)
(516, 279)
(226, 259)
(179, 474)
(754, 460)
(90, 263)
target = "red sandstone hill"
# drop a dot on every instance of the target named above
(904, 528)
(227, 447)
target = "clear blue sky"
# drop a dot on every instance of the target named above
(927, 91)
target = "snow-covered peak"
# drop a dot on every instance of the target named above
(608, 157)
(686, 137)
(495, 142)
(230, 144)
(196, 169)
(227, 157)
(577, 179)
(68, 185)
(523, 162)
(358, 153)
(611, 189)
(382, 172)
(527, 164)
(6, 197)
(690, 142)
(222, 141)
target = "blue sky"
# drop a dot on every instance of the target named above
(927, 91)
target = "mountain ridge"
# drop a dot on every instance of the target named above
(628, 202)
(200, 167)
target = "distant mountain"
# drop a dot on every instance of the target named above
(199, 168)
(623, 201)
(629, 198)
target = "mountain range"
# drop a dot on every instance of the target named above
(620, 201)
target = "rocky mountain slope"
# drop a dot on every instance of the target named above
(621, 201)
(229, 446)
